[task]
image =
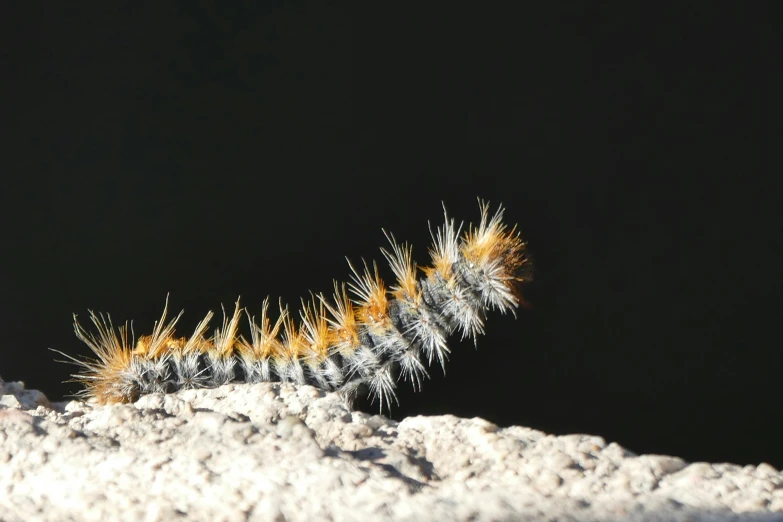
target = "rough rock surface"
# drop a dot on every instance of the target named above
(281, 452)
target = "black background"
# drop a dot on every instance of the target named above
(213, 150)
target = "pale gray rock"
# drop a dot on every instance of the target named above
(14, 395)
(281, 452)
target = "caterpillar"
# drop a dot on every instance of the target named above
(343, 344)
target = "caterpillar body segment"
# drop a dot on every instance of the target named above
(366, 335)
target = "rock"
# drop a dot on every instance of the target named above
(13, 395)
(281, 452)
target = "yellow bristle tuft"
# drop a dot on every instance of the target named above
(197, 343)
(373, 302)
(293, 340)
(401, 261)
(345, 331)
(315, 330)
(102, 377)
(264, 342)
(155, 345)
(225, 338)
(491, 243)
(175, 345)
(142, 348)
(445, 248)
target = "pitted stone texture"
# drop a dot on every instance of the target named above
(282, 452)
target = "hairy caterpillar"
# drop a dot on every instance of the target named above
(338, 345)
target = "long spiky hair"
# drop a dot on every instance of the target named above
(105, 378)
(345, 344)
